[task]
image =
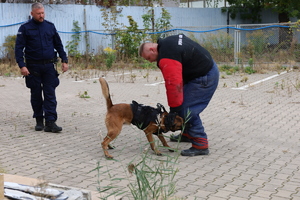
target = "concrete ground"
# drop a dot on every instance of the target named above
(253, 132)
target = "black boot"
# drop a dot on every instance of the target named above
(39, 123)
(194, 152)
(179, 138)
(52, 127)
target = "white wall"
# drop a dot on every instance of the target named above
(62, 16)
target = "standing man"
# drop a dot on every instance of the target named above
(191, 78)
(36, 41)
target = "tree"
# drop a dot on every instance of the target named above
(251, 9)
(285, 9)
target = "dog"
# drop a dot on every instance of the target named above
(150, 120)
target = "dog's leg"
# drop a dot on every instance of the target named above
(114, 130)
(105, 145)
(164, 142)
(151, 141)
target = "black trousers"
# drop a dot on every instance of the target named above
(42, 81)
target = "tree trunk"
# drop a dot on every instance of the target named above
(285, 34)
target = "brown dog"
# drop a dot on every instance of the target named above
(139, 115)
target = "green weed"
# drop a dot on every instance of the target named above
(249, 70)
(84, 95)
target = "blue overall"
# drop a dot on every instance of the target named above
(37, 42)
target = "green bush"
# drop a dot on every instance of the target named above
(229, 70)
(110, 57)
(72, 46)
(9, 47)
(220, 45)
(249, 70)
(127, 41)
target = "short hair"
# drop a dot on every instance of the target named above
(37, 6)
(141, 49)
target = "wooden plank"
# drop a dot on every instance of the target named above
(1, 186)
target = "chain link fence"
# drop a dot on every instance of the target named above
(240, 44)
(259, 43)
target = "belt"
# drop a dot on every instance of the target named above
(41, 61)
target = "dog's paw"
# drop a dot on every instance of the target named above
(158, 154)
(109, 157)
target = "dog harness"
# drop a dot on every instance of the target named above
(143, 115)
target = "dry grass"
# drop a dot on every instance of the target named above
(81, 69)
(2, 170)
(7, 69)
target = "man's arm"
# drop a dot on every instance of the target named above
(172, 72)
(60, 49)
(19, 51)
(59, 46)
(19, 47)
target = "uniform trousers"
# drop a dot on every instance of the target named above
(42, 81)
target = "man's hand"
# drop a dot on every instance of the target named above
(64, 67)
(24, 71)
(170, 120)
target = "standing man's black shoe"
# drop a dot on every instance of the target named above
(39, 123)
(52, 127)
(194, 152)
(179, 138)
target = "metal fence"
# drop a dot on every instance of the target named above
(233, 43)
(267, 43)
(259, 43)
(236, 43)
(262, 43)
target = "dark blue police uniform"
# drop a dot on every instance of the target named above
(35, 48)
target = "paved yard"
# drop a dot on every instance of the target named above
(253, 130)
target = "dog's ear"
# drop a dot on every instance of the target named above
(161, 107)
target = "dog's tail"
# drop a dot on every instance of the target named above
(105, 92)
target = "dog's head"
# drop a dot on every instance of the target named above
(177, 124)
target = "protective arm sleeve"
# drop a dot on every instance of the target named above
(172, 73)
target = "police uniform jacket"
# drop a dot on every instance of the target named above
(39, 40)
